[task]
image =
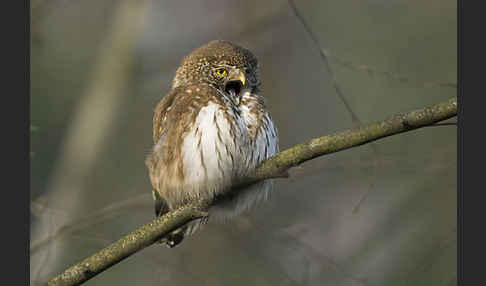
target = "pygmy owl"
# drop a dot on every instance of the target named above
(210, 130)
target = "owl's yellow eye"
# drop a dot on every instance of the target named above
(221, 72)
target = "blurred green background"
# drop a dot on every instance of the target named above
(98, 69)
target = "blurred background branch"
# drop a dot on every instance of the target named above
(97, 217)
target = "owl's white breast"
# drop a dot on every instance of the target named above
(216, 152)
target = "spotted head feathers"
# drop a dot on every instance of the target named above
(218, 63)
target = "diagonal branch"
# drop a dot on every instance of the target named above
(128, 245)
(313, 148)
(354, 117)
(274, 167)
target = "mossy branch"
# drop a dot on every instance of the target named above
(275, 167)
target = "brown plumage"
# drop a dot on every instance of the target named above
(209, 130)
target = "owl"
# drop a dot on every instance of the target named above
(210, 130)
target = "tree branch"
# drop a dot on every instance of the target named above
(396, 124)
(128, 245)
(274, 167)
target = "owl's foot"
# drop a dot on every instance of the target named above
(173, 239)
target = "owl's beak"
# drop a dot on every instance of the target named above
(237, 75)
(235, 83)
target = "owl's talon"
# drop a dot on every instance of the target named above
(169, 244)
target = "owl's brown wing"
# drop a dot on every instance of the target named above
(173, 117)
(159, 129)
(160, 115)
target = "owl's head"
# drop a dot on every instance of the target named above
(224, 65)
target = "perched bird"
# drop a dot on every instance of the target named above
(210, 130)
